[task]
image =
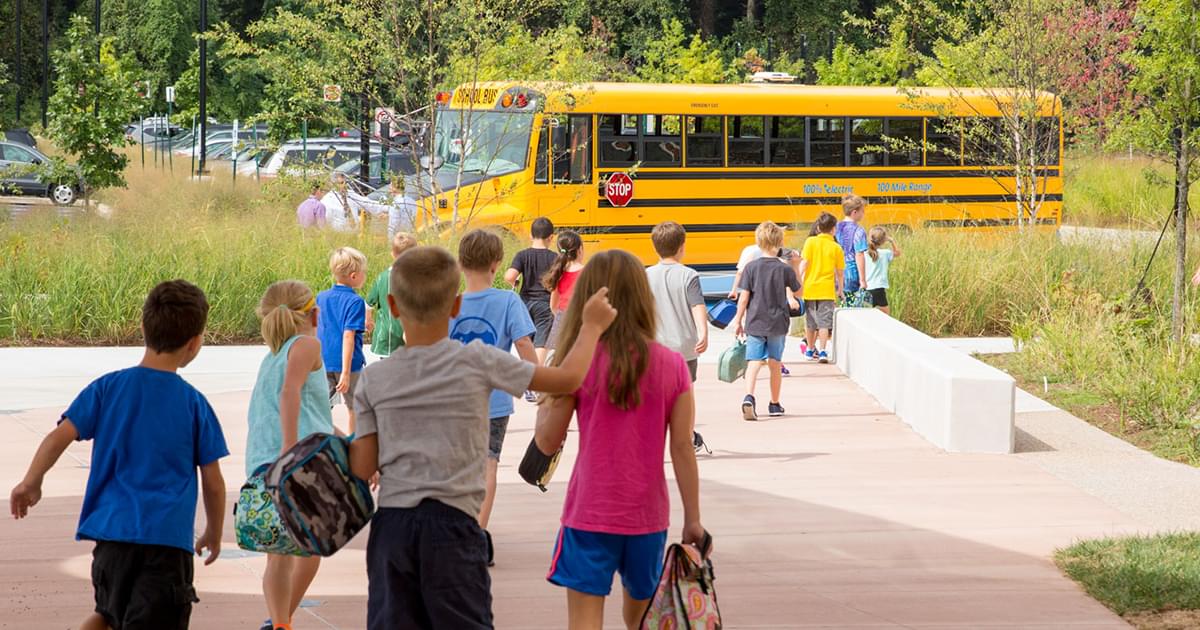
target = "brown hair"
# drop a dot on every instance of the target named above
(875, 239)
(282, 309)
(569, 244)
(852, 202)
(668, 238)
(424, 283)
(628, 338)
(479, 250)
(826, 223)
(402, 242)
(174, 312)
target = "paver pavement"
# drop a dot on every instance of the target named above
(834, 516)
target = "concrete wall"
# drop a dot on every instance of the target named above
(958, 403)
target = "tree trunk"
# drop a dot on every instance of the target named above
(364, 139)
(708, 18)
(1182, 174)
(751, 11)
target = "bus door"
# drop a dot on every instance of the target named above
(563, 184)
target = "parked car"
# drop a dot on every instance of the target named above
(21, 136)
(322, 154)
(400, 162)
(161, 135)
(19, 173)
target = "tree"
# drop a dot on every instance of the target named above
(1018, 65)
(1167, 119)
(92, 101)
(669, 60)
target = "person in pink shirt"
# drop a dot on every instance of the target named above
(311, 212)
(636, 398)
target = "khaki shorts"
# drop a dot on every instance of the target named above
(348, 398)
(818, 314)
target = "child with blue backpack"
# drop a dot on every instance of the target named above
(290, 401)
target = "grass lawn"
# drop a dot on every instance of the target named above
(1151, 581)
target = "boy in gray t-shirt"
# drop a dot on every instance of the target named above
(423, 426)
(678, 300)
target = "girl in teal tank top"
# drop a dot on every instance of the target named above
(290, 401)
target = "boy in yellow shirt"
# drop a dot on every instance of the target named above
(822, 272)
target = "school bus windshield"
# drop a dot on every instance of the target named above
(484, 143)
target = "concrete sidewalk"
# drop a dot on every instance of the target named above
(835, 516)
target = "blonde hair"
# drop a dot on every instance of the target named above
(424, 282)
(877, 238)
(768, 235)
(628, 338)
(852, 202)
(402, 242)
(345, 261)
(283, 309)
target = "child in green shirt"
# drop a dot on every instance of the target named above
(388, 334)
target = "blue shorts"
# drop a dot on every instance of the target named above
(763, 348)
(585, 562)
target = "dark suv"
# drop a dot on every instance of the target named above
(19, 174)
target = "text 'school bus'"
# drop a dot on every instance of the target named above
(611, 160)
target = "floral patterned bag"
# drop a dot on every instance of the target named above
(686, 598)
(256, 522)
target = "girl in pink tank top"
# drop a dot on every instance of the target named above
(635, 401)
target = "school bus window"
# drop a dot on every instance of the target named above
(787, 140)
(571, 149)
(747, 146)
(942, 142)
(617, 146)
(827, 146)
(1048, 141)
(984, 142)
(540, 169)
(904, 141)
(661, 142)
(866, 142)
(705, 141)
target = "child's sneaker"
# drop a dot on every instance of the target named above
(811, 354)
(530, 396)
(748, 412)
(783, 370)
(823, 357)
(775, 410)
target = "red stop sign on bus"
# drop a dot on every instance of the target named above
(619, 190)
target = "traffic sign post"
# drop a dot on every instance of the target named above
(618, 190)
(170, 104)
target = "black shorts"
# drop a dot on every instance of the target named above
(427, 569)
(543, 321)
(878, 297)
(143, 587)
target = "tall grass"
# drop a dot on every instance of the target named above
(82, 280)
(1118, 191)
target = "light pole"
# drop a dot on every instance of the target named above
(203, 86)
(45, 60)
(20, 53)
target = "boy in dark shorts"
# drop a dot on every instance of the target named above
(529, 265)
(423, 426)
(150, 431)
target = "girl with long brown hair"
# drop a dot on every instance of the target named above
(637, 394)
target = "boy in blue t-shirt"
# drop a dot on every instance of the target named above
(498, 318)
(341, 320)
(150, 431)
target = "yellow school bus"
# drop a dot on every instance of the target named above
(611, 160)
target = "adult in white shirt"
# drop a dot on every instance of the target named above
(344, 208)
(402, 212)
(752, 253)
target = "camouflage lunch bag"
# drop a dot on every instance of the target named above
(256, 522)
(322, 504)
